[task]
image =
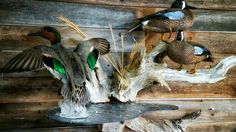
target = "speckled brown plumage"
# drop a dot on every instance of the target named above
(164, 25)
(177, 17)
(184, 52)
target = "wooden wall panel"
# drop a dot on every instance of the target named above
(15, 38)
(210, 4)
(26, 116)
(221, 45)
(26, 97)
(95, 16)
(20, 90)
(221, 90)
(70, 38)
(46, 89)
(216, 115)
(36, 121)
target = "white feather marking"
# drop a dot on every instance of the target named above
(183, 5)
(91, 49)
(182, 35)
(145, 22)
(53, 72)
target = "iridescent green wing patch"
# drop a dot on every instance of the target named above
(54, 64)
(58, 67)
(92, 59)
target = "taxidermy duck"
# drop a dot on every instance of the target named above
(184, 52)
(177, 17)
(72, 68)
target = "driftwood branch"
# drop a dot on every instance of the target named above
(145, 125)
(211, 75)
(150, 72)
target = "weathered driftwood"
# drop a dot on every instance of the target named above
(113, 127)
(211, 75)
(146, 125)
(150, 72)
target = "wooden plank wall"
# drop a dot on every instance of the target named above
(25, 97)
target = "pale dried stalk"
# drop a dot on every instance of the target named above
(108, 59)
(135, 49)
(122, 54)
(114, 43)
(113, 38)
(72, 25)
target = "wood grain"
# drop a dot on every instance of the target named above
(17, 90)
(25, 98)
(213, 127)
(12, 90)
(30, 116)
(216, 115)
(16, 108)
(97, 16)
(216, 42)
(223, 89)
(108, 67)
(220, 44)
(216, 4)
(15, 38)
(36, 120)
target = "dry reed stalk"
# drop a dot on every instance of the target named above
(136, 47)
(122, 54)
(108, 59)
(114, 43)
(72, 25)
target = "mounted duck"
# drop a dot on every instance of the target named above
(68, 66)
(185, 53)
(177, 17)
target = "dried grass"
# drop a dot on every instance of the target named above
(117, 63)
(72, 25)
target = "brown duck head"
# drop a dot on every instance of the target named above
(49, 33)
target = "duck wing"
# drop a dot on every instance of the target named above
(29, 60)
(165, 15)
(200, 50)
(101, 44)
(90, 50)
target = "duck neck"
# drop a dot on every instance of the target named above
(180, 36)
(180, 4)
(55, 38)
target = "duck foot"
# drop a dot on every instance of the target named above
(170, 33)
(208, 67)
(192, 71)
(180, 67)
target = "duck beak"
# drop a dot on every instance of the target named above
(191, 7)
(209, 59)
(34, 34)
